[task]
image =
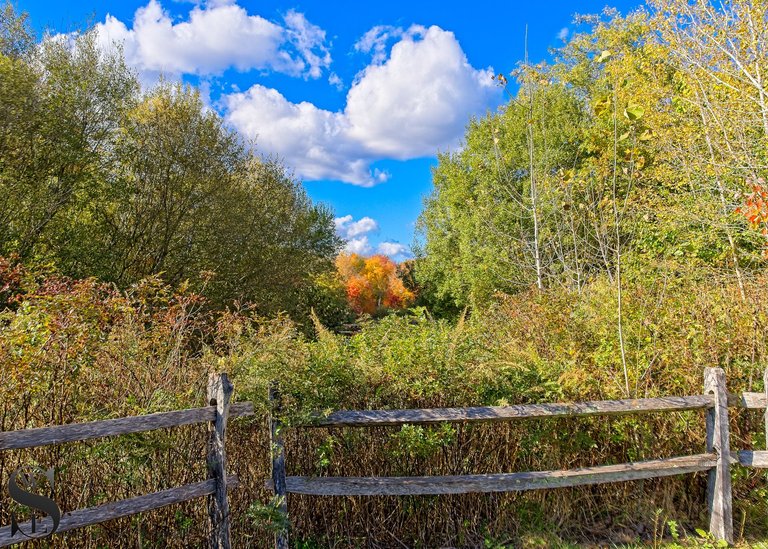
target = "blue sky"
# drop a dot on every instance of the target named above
(355, 97)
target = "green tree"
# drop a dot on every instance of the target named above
(639, 139)
(186, 198)
(100, 178)
(16, 36)
(478, 228)
(59, 116)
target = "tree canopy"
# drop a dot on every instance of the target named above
(101, 178)
(372, 284)
(632, 151)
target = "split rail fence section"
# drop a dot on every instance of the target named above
(716, 459)
(215, 488)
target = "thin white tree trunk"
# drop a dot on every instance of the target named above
(534, 190)
(619, 295)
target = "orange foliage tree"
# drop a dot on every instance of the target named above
(372, 283)
(755, 209)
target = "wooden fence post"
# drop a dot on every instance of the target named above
(718, 441)
(219, 393)
(277, 451)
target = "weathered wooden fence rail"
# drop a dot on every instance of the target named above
(216, 413)
(716, 460)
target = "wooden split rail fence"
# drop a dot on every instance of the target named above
(215, 487)
(716, 459)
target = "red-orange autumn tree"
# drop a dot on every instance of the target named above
(372, 283)
(755, 209)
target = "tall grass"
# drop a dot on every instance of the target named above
(79, 350)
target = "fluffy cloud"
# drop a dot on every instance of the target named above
(411, 100)
(347, 227)
(393, 249)
(419, 99)
(359, 246)
(335, 81)
(313, 141)
(309, 41)
(214, 38)
(355, 233)
(407, 105)
(375, 41)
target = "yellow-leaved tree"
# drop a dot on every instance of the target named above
(372, 283)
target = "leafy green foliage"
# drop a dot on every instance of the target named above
(622, 148)
(615, 176)
(477, 223)
(102, 179)
(79, 350)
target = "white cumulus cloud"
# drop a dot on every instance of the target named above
(311, 140)
(419, 99)
(347, 227)
(375, 41)
(336, 81)
(355, 233)
(393, 249)
(309, 41)
(216, 37)
(410, 104)
(359, 246)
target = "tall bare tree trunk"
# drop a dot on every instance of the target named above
(534, 190)
(619, 295)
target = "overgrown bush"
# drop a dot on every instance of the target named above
(79, 350)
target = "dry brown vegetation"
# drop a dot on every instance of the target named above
(78, 350)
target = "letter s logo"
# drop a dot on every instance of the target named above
(20, 484)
